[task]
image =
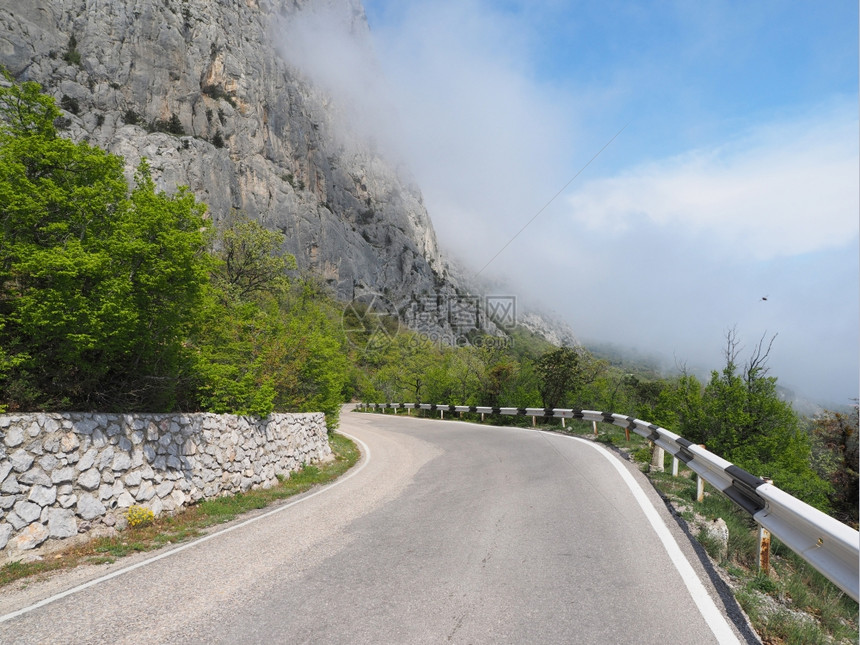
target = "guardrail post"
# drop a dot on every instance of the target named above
(674, 466)
(763, 559)
(482, 417)
(657, 456)
(700, 484)
(562, 423)
(534, 421)
(594, 425)
(441, 414)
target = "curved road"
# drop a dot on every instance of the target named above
(444, 533)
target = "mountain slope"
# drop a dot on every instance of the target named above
(201, 90)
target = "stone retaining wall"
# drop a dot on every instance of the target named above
(67, 473)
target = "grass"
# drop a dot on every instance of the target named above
(190, 522)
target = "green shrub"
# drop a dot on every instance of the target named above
(70, 104)
(72, 55)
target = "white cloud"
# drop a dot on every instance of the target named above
(667, 250)
(782, 190)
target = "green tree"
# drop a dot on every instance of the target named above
(498, 377)
(251, 261)
(835, 450)
(466, 369)
(97, 285)
(559, 374)
(744, 421)
(680, 408)
(266, 344)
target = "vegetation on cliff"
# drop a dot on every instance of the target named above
(126, 299)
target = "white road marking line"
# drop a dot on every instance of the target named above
(713, 616)
(188, 545)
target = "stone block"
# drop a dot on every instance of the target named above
(10, 485)
(5, 469)
(35, 476)
(121, 462)
(137, 458)
(21, 461)
(105, 457)
(67, 501)
(28, 511)
(105, 492)
(48, 462)
(5, 534)
(99, 439)
(133, 478)
(15, 520)
(34, 428)
(69, 442)
(14, 437)
(42, 495)
(30, 537)
(152, 432)
(51, 443)
(89, 508)
(85, 425)
(178, 497)
(146, 492)
(35, 448)
(63, 475)
(86, 462)
(155, 505)
(90, 479)
(62, 523)
(164, 488)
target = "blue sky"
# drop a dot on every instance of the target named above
(736, 176)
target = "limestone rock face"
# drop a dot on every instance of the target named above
(200, 89)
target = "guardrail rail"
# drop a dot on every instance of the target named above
(830, 546)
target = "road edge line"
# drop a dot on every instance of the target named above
(718, 623)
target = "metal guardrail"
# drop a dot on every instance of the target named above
(826, 543)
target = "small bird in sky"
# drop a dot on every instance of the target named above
(764, 298)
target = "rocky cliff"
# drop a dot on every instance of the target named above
(200, 89)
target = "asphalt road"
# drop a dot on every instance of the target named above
(446, 532)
